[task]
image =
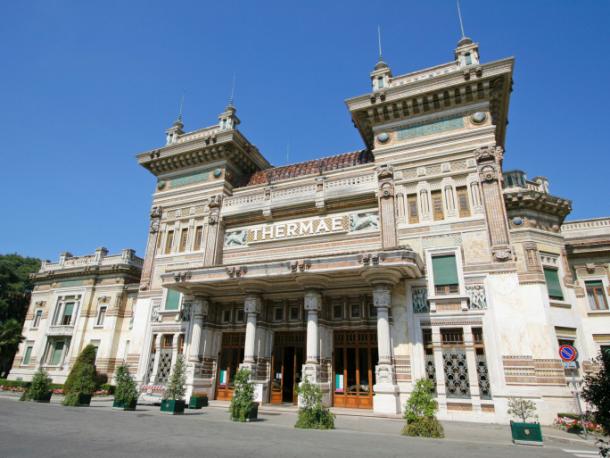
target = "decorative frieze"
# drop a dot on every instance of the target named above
(477, 296)
(419, 296)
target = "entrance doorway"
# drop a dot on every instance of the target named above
(286, 362)
(231, 355)
(355, 356)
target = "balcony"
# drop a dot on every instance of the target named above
(57, 330)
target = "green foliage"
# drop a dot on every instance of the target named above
(14, 383)
(522, 409)
(39, 388)
(312, 414)
(421, 403)
(82, 377)
(243, 396)
(126, 391)
(175, 386)
(596, 391)
(424, 427)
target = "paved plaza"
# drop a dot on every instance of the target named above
(34, 430)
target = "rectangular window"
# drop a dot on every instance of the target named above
(183, 238)
(337, 312)
(101, 315)
(437, 205)
(552, 283)
(198, 235)
(356, 311)
(169, 241)
(444, 270)
(66, 317)
(596, 296)
(240, 316)
(226, 316)
(412, 208)
(159, 240)
(172, 301)
(463, 204)
(278, 314)
(57, 352)
(37, 317)
(27, 355)
(294, 313)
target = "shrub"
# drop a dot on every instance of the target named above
(596, 391)
(312, 414)
(243, 396)
(420, 411)
(81, 379)
(522, 409)
(424, 427)
(39, 388)
(126, 391)
(175, 387)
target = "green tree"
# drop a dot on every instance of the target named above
(241, 403)
(126, 391)
(82, 377)
(523, 409)
(175, 386)
(39, 388)
(596, 391)
(312, 414)
(420, 411)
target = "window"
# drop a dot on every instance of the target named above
(444, 270)
(101, 315)
(57, 350)
(372, 310)
(181, 343)
(437, 205)
(380, 82)
(596, 296)
(552, 283)
(463, 204)
(338, 312)
(27, 356)
(468, 58)
(412, 208)
(183, 237)
(172, 301)
(475, 193)
(167, 341)
(240, 316)
(169, 241)
(356, 311)
(37, 318)
(198, 235)
(66, 317)
(294, 313)
(278, 314)
(226, 316)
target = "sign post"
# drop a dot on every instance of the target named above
(568, 355)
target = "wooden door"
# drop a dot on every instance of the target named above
(231, 355)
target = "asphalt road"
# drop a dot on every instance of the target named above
(43, 430)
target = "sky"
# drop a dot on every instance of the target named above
(85, 86)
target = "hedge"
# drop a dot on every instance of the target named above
(54, 386)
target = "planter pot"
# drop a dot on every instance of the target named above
(84, 400)
(174, 407)
(122, 406)
(45, 398)
(526, 433)
(197, 402)
(252, 414)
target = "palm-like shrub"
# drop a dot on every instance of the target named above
(81, 380)
(420, 411)
(175, 386)
(243, 396)
(312, 414)
(126, 391)
(39, 389)
(597, 391)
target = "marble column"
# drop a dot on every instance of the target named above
(153, 375)
(386, 397)
(313, 306)
(471, 361)
(199, 309)
(175, 339)
(252, 306)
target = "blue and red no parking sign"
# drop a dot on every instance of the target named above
(568, 353)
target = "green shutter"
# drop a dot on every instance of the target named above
(594, 284)
(69, 308)
(444, 270)
(172, 302)
(56, 356)
(27, 356)
(552, 283)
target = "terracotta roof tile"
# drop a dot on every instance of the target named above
(340, 161)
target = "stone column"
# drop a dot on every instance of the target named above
(471, 361)
(175, 338)
(153, 375)
(199, 309)
(439, 369)
(252, 306)
(313, 306)
(386, 399)
(151, 248)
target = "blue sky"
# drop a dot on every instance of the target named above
(85, 86)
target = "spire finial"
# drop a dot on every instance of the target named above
(460, 18)
(231, 98)
(379, 40)
(181, 105)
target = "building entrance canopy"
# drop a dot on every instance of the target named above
(344, 271)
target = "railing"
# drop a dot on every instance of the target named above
(126, 257)
(424, 74)
(189, 136)
(60, 330)
(586, 224)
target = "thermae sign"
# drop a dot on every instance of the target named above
(324, 225)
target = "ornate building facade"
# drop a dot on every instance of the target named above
(415, 257)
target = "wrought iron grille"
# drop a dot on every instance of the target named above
(456, 373)
(165, 366)
(483, 376)
(420, 299)
(430, 369)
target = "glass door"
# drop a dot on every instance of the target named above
(231, 355)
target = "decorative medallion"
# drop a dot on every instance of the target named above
(383, 137)
(517, 221)
(478, 117)
(217, 173)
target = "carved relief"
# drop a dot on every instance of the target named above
(360, 221)
(236, 238)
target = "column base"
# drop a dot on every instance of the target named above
(312, 373)
(261, 388)
(386, 397)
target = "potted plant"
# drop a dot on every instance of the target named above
(420, 412)
(125, 393)
(198, 400)
(173, 398)
(524, 432)
(312, 414)
(243, 407)
(80, 384)
(40, 388)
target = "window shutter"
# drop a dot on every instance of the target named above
(552, 283)
(69, 309)
(173, 300)
(444, 270)
(594, 284)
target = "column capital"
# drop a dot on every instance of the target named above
(252, 303)
(381, 276)
(313, 300)
(382, 296)
(199, 307)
